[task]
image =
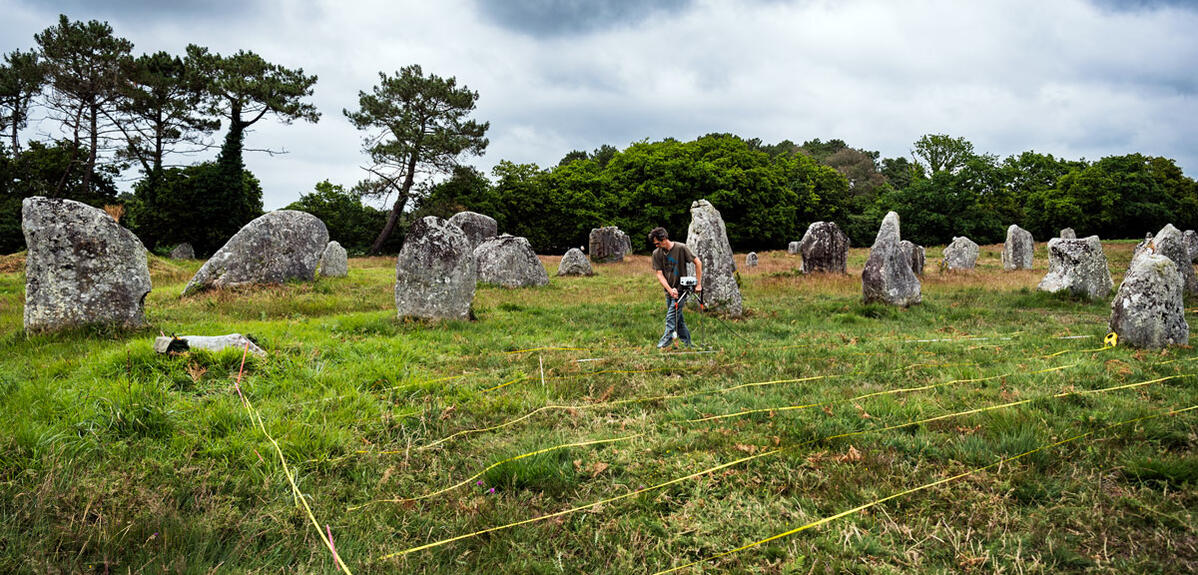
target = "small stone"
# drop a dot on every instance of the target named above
(183, 251)
(1018, 252)
(961, 254)
(751, 260)
(792, 248)
(477, 227)
(1068, 234)
(608, 244)
(824, 248)
(916, 254)
(334, 263)
(509, 261)
(575, 263)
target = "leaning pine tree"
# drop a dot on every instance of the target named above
(416, 124)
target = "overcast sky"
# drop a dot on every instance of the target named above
(1074, 78)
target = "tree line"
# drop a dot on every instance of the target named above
(114, 112)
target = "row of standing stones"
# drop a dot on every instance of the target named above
(84, 268)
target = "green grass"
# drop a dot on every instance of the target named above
(114, 459)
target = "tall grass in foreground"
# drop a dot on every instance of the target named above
(116, 459)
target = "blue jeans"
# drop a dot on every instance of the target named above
(674, 322)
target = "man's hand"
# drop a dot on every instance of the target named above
(673, 293)
(698, 287)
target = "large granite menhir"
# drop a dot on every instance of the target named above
(824, 248)
(477, 227)
(575, 263)
(707, 238)
(509, 261)
(1148, 311)
(435, 273)
(272, 249)
(1077, 266)
(1018, 252)
(608, 244)
(82, 267)
(961, 254)
(888, 277)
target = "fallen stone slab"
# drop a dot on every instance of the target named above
(182, 343)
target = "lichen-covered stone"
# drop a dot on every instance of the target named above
(81, 267)
(1068, 234)
(1018, 252)
(888, 277)
(477, 227)
(608, 244)
(751, 260)
(1078, 266)
(1142, 246)
(824, 248)
(575, 263)
(334, 263)
(183, 251)
(707, 238)
(1170, 242)
(1191, 241)
(509, 261)
(1147, 311)
(916, 254)
(435, 273)
(961, 254)
(272, 249)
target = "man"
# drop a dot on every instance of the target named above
(669, 261)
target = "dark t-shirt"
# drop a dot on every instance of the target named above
(672, 263)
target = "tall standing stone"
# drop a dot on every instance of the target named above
(608, 244)
(916, 254)
(272, 249)
(961, 254)
(477, 227)
(435, 273)
(888, 277)
(575, 263)
(707, 238)
(81, 267)
(1148, 311)
(751, 260)
(1077, 266)
(1170, 243)
(824, 248)
(509, 261)
(1191, 240)
(334, 262)
(1142, 246)
(1018, 252)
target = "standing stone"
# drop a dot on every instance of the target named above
(824, 248)
(81, 267)
(792, 248)
(509, 261)
(575, 263)
(435, 272)
(916, 255)
(1148, 310)
(183, 251)
(334, 263)
(751, 260)
(1140, 247)
(1170, 243)
(274, 248)
(608, 244)
(1068, 234)
(888, 277)
(477, 227)
(1077, 266)
(1019, 249)
(1191, 241)
(962, 254)
(708, 240)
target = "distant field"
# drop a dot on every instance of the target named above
(551, 436)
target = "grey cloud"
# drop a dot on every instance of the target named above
(552, 18)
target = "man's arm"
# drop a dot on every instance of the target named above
(698, 274)
(661, 279)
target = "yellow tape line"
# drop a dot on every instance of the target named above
(1001, 462)
(868, 395)
(493, 466)
(759, 456)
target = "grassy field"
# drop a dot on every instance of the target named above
(986, 431)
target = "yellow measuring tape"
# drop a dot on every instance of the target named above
(766, 454)
(846, 513)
